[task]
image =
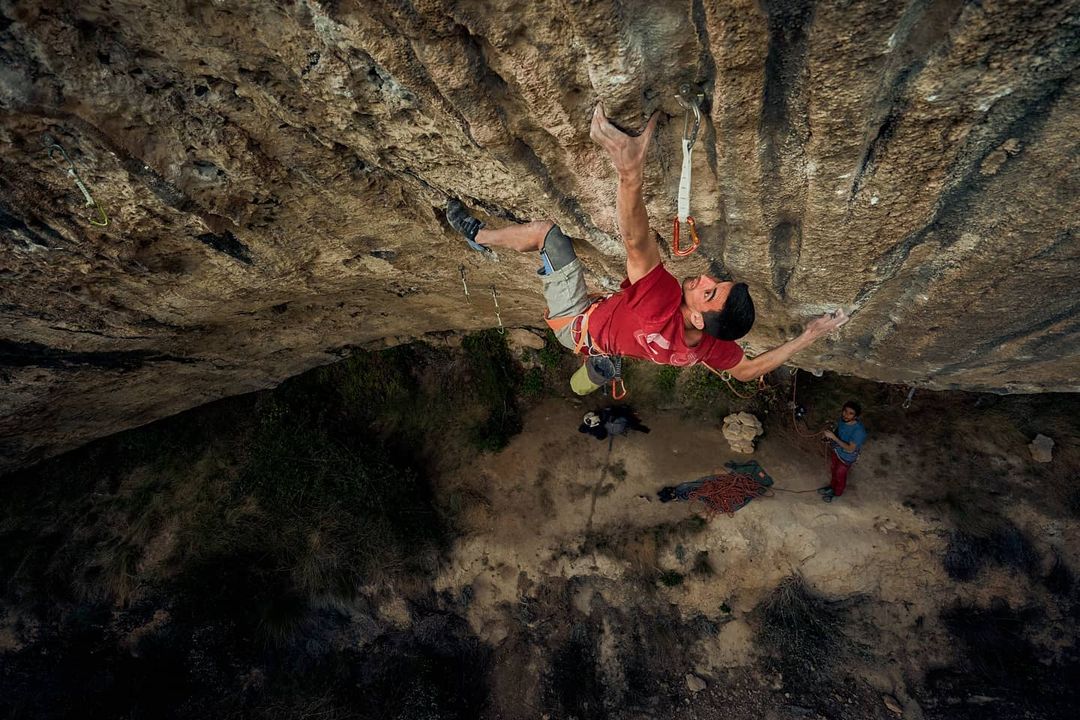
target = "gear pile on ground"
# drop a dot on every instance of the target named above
(740, 429)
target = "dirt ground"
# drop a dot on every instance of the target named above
(565, 544)
(322, 550)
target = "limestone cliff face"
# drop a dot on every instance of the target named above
(274, 174)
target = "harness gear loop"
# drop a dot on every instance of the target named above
(498, 316)
(464, 284)
(74, 175)
(691, 102)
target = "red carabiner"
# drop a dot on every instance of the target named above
(679, 252)
(614, 393)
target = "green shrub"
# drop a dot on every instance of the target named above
(671, 578)
(552, 354)
(666, 378)
(532, 384)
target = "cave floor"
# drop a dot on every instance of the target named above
(558, 507)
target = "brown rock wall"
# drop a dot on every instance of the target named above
(273, 174)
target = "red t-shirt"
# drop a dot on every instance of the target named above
(643, 320)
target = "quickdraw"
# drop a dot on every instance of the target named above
(464, 284)
(74, 175)
(907, 400)
(618, 387)
(498, 315)
(691, 102)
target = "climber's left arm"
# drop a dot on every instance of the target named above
(750, 368)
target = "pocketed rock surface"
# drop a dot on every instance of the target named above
(274, 173)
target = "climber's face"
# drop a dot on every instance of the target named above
(848, 415)
(702, 294)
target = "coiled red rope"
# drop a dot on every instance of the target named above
(727, 492)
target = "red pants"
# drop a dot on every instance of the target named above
(839, 470)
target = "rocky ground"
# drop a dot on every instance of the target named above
(397, 537)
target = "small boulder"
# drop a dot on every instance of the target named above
(1042, 448)
(694, 683)
(522, 338)
(740, 429)
(892, 704)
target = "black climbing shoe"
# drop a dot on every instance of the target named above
(464, 223)
(827, 490)
(666, 494)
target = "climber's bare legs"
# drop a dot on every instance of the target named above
(528, 237)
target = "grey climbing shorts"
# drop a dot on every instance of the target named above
(564, 289)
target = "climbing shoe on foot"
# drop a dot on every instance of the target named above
(464, 223)
(828, 497)
(667, 494)
(826, 490)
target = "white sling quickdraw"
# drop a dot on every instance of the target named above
(53, 147)
(691, 102)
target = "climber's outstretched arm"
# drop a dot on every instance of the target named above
(628, 156)
(750, 368)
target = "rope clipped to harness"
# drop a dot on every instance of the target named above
(727, 492)
(691, 102)
(55, 147)
(726, 377)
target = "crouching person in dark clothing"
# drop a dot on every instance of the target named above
(612, 421)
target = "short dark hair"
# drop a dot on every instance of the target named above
(854, 406)
(736, 317)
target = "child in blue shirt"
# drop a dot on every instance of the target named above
(845, 443)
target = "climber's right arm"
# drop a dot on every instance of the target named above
(628, 156)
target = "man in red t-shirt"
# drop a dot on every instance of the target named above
(653, 316)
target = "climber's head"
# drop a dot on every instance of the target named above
(721, 309)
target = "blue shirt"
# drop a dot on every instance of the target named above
(853, 433)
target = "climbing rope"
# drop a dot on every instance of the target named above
(726, 377)
(727, 492)
(794, 408)
(691, 102)
(53, 147)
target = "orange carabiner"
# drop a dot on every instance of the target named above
(615, 395)
(679, 252)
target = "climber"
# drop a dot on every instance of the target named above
(845, 442)
(652, 316)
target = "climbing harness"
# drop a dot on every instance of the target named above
(907, 401)
(727, 492)
(583, 345)
(691, 102)
(464, 284)
(498, 316)
(53, 147)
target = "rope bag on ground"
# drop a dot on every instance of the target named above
(727, 492)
